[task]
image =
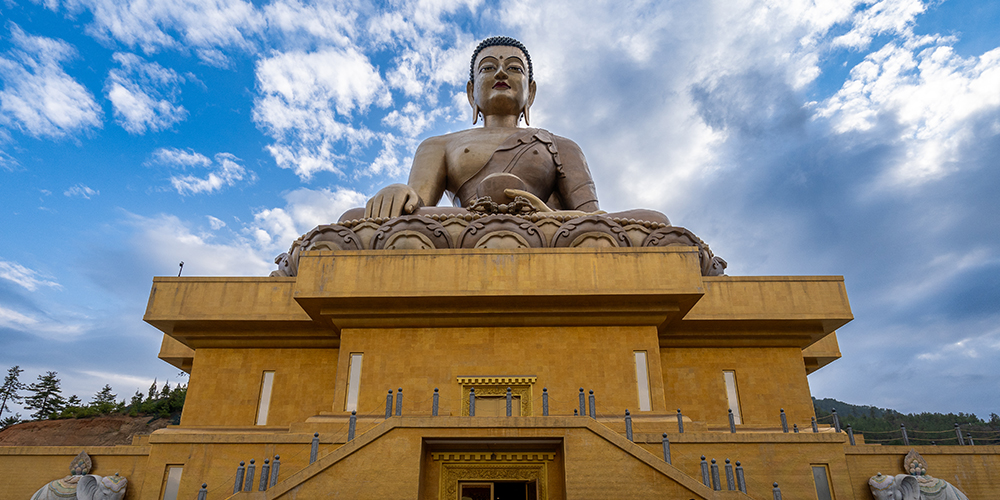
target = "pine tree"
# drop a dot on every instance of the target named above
(10, 391)
(104, 396)
(165, 392)
(152, 391)
(46, 396)
(11, 420)
(73, 402)
(136, 400)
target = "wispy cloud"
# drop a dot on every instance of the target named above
(81, 191)
(27, 278)
(274, 229)
(225, 170)
(38, 96)
(144, 95)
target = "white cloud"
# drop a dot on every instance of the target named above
(81, 191)
(27, 278)
(165, 240)
(307, 101)
(302, 24)
(276, 228)
(225, 170)
(894, 17)
(930, 92)
(45, 328)
(38, 96)
(206, 26)
(216, 223)
(178, 157)
(144, 95)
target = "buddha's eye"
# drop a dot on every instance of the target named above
(517, 68)
(488, 67)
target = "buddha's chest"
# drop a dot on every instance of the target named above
(466, 156)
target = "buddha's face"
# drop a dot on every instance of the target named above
(501, 85)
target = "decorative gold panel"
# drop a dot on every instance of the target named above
(496, 386)
(453, 473)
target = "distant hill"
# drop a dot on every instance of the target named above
(882, 425)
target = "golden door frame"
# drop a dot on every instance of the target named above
(489, 467)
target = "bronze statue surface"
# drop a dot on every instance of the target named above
(488, 160)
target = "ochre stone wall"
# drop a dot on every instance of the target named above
(972, 469)
(225, 385)
(768, 379)
(28, 468)
(563, 359)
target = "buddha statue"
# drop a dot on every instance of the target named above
(500, 159)
(511, 186)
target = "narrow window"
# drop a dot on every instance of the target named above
(821, 476)
(172, 482)
(732, 393)
(642, 380)
(265, 397)
(353, 382)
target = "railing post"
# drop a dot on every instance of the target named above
(815, 427)
(508, 402)
(906, 439)
(730, 477)
(716, 483)
(593, 406)
(265, 475)
(795, 428)
(265, 472)
(732, 422)
(628, 425)
(248, 484)
(850, 435)
(836, 421)
(434, 404)
(545, 401)
(388, 404)
(472, 402)
(741, 480)
(784, 422)
(583, 403)
(969, 435)
(314, 449)
(275, 465)
(705, 478)
(958, 432)
(203, 492)
(680, 421)
(776, 492)
(352, 425)
(399, 402)
(239, 478)
(666, 448)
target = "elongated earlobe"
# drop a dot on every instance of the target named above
(475, 114)
(525, 113)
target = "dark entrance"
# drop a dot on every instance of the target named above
(500, 490)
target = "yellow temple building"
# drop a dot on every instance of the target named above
(378, 351)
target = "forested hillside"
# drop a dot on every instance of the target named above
(882, 425)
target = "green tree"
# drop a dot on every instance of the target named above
(105, 396)
(74, 402)
(10, 391)
(11, 420)
(46, 396)
(152, 392)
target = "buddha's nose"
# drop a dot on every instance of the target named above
(501, 74)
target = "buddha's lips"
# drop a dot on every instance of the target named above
(501, 85)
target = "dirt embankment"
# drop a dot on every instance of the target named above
(97, 431)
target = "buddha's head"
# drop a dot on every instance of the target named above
(501, 79)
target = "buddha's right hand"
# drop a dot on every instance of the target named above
(392, 201)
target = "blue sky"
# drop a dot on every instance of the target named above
(838, 137)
